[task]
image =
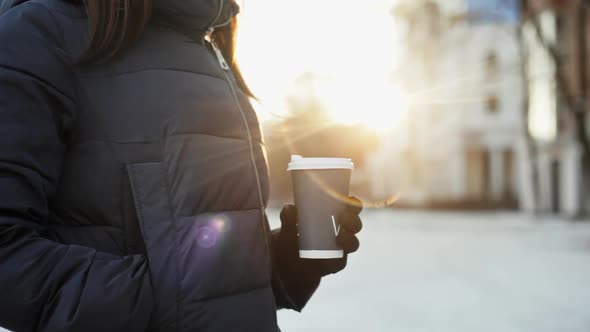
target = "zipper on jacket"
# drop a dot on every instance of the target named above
(226, 70)
(212, 26)
(252, 158)
(208, 37)
(219, 56)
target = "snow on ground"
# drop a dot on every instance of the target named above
(456, 272)
(435, 272)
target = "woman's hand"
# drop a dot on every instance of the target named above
(286, 247)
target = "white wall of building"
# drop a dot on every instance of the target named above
(449, 88)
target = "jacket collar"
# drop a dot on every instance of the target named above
(195, 16)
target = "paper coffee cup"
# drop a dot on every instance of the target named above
(320, 187)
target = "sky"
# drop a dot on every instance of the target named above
(354, 44)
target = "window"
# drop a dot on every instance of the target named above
(491, 64)
(492, 104)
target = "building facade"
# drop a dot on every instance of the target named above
(461, 144)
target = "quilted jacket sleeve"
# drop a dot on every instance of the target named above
(47, 286)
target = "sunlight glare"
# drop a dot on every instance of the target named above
(379, 107)
(354, 43)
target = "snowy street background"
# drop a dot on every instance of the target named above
(428, 271)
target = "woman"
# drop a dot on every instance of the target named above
(133, 180)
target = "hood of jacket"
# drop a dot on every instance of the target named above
(7, 4)
(195, 15)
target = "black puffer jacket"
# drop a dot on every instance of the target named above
(132, 194)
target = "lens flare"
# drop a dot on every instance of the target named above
(352, 202)
(291, 145)
(207, 237)
(221, 223)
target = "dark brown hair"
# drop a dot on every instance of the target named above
(114, 25)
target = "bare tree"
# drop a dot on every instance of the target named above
(576, 104)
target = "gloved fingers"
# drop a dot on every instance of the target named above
(350, 222)
(328, 266)
(349, 242)
(289, 216)
(354, 205)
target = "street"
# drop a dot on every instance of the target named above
(425, 271)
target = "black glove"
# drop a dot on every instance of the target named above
(302, 276)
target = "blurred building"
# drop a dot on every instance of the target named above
(500, 102)
(461, 145)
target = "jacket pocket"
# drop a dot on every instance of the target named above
(150, 195)
(196, 258)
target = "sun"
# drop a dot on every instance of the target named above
(280, 40)
(378, 106)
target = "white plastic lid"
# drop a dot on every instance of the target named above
(299, 163)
